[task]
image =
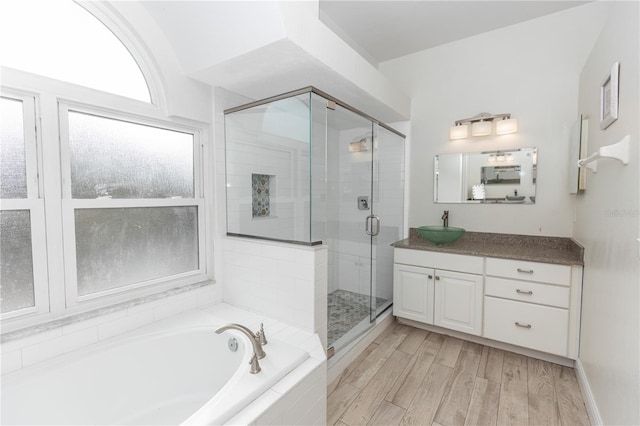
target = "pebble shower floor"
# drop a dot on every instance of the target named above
(346, 310)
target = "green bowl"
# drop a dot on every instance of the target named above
(440, 234)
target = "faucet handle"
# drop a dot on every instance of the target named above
(262, 338)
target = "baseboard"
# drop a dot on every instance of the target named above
(587, 395)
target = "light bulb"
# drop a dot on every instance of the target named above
(504, 127)
(459, 132)
(481, 128)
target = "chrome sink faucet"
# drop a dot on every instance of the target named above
(256, 341)
(445, 218)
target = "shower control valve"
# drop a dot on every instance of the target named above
(363, 202)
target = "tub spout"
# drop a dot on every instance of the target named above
(258, 352)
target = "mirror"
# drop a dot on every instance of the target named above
(503, 177)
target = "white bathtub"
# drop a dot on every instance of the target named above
(171, 372)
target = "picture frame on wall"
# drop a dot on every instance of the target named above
(609, 97)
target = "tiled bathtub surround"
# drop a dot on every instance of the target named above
(301, 396)
(558, 250)
(31, 345)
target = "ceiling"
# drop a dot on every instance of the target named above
(384, 30)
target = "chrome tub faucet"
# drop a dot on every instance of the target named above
(257, 340)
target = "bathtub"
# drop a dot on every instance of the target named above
(175, 371)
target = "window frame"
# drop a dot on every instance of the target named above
(70, 205)
(33, 203)
(50, 227)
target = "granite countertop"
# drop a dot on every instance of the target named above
(558, 250)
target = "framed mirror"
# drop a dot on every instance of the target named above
(491, 177)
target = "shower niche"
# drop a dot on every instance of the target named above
(306, 168)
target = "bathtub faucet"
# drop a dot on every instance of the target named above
(258, 352)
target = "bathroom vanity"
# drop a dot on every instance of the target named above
(519, 290)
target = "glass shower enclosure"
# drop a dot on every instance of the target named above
(305, 168)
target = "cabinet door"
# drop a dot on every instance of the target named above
(458, 301)
(413, 293)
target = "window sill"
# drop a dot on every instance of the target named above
(77, 318)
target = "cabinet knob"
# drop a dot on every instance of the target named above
(522, 325)
(437, 277)
(430, 277)
(527, 292)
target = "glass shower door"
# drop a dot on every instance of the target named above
(349, 197)
(387, 214)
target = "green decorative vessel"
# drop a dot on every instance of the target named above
(440, 234)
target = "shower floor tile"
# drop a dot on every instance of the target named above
(346, 310)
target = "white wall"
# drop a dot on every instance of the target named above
(182, 96)
(607, 226)
(530, 70)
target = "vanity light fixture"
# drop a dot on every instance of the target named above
(359, 145)
(482, 125)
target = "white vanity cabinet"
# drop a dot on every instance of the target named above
(438, 288)
(528, 304)
(534, 305)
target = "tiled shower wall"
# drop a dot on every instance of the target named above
(283, 281)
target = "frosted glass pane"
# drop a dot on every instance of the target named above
(119, 247)
(13, 170)
(119, 159)
(16, 261)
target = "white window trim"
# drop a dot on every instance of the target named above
(34, 204)
(70, 205)
(49, 94)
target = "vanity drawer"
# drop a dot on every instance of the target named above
(532, 271)
(527, 291)
(446, 261)
(537, 327)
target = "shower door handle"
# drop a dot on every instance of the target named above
(367, 225)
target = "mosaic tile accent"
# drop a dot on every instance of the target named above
(346, 310)
(260, 193)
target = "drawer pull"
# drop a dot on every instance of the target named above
(527, 292)
(525, 271)
(523, 325)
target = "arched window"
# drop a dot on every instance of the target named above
(61, 40)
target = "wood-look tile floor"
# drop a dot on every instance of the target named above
(409, 376)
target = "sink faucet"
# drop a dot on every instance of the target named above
(445, 218)
(256, 342)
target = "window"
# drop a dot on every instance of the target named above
(22, 263)
(131, 199)
(101, 198)
(76, 47)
